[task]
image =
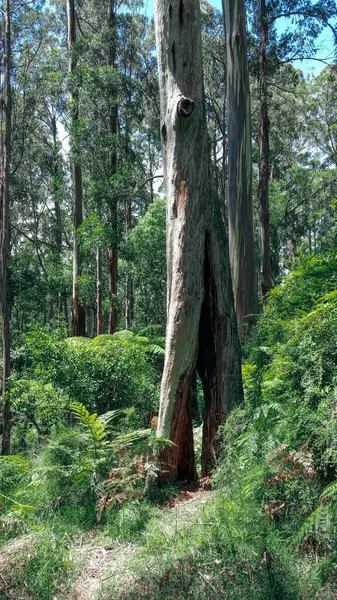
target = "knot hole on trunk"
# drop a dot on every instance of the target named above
(237, 38)
(185, 107)
(164, 133)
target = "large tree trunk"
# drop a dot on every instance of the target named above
(113, 208)
(201, 327)
(78, 312)
(264, 165)
(240, 187)
(4, 231)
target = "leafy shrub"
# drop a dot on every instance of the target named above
(12, 471)
(38, 404)
(107, 373)
(280, 448)
(67, 473)
(147, 252)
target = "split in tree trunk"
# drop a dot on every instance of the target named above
(195, 412)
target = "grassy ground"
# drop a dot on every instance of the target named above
(101, 563)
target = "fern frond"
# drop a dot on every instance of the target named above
(330, 491)
(322, 517)
(109, 416)
(94, 425)
(155, 350)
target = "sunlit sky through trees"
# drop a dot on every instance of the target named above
(325, 44)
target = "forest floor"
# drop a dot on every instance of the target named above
(104, 566)
(109, 564)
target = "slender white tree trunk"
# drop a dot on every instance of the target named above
(201, 327)
(240, 188)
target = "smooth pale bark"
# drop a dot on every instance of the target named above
(201, 326)
(240, 187)
(99, 312)
(57, 191)
(4, 231)
(113, 209)
(264, 164)
(78, 312)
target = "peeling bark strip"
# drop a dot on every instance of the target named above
(201, 327)
(240, 188)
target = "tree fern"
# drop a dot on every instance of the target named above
(322, 517)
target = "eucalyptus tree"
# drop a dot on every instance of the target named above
(40, 203)
(214, 66)
(78, 312)
(307, 20)
(321, 111)
(301, 178)
(240, 185)
(201, 325)
(6, 150)
(116, 89)
(41, 184)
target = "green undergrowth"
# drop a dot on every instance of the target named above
(267, 533)
(49, 569)
(271, 532)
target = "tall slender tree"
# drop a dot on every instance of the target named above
(99, 292)
(201, 327)
(309, 18)
(240, 188)
(264, 164)
(113, 207)
(78, 312)
(5, 148)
